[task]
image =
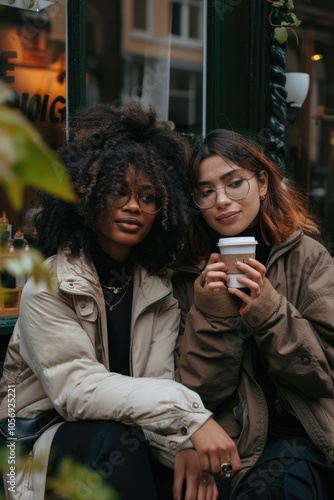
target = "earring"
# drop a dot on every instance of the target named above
(263, 197)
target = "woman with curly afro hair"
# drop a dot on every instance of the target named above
(106, 141)
(94, 356)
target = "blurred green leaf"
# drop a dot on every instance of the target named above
(14, 192)
(21, 263)
(72, 483)
(25, 160)
(297, 22)
(285, 21)
(281, 35)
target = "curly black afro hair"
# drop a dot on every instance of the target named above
(106, 139)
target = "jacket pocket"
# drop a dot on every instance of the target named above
(85, 308)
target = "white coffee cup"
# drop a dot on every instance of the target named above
(240, 248)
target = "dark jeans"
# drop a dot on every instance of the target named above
(289, 469)
(114, 455)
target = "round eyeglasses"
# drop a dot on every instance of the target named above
(235, 188)
(148, 200)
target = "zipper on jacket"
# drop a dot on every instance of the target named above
(278, 403)
(280, 406)
(99, 315)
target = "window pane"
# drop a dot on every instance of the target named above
(162, 66)
(194, 23)
(176, 18)
(139, 14)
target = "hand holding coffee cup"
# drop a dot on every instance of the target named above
(239, 248)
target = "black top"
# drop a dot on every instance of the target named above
(118, 306)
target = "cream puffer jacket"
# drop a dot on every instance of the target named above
(58, 357)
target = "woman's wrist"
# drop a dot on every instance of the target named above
(220, 304)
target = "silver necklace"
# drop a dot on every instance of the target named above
(117, 289)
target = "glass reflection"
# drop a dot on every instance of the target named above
(156, 57)
(33, 65)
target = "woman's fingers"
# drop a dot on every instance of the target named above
(188, 475)
(253, 280)
(214, 274)
(214, 447)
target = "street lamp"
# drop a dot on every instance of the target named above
(297, 87)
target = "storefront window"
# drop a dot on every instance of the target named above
(33, 66)
(152, 51)
(33, 63)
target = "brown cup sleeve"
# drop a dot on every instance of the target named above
(231, 259)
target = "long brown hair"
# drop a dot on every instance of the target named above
(284, 208)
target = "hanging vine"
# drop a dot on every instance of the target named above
(283, 20)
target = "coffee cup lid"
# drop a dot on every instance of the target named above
(239, 240)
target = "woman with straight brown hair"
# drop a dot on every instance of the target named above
(259, 353)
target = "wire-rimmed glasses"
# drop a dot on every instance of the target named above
(148, 199)
(236, 188)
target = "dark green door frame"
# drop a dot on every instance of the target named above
(76, 55)
(245, 73)
(237, 64)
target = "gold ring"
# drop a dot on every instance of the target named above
(226, 469)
